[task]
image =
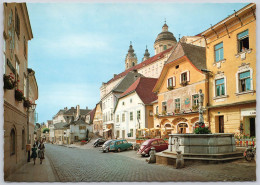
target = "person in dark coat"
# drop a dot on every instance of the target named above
(34, 153)
(41, 148)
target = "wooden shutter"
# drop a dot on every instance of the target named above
(188, 76)
(173, 81)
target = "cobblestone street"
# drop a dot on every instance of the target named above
(76, 164)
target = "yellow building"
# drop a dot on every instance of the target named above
(98, 121)
(20, 87)
(231, 58)
(177, 89)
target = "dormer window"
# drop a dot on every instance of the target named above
(243, 41)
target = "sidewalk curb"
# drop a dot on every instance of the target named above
(54, 170)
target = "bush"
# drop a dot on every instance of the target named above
(202, 130)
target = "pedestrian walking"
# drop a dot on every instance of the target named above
(34, 153)
(41, 148)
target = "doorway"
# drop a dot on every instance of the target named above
(252, 127)
(182, 128)
(221, 124)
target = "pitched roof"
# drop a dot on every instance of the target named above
(142, 64)
(128, 80)
(143, 87)
(196, 54)
(74, 110)
(92, 113)
(59, 125)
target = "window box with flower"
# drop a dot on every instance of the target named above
(9, 81)
(177, 111)
(170, 87)
(184, 83)
(27, 103)
(19, 95)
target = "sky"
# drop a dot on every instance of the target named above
(77, 46)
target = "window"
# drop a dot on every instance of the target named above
(164, 106)
(170, 82)
(219, 53)
(131, 100)
(177, 67)
(150, 113)
(243, 41)
(24, 86)
(154, 143)
(131, 132)
(17, 66)
(123, 103)
(23, 139)
(17, 23)
(220, 87)
(12, 142)
(123, 117)
(184, 77)
(157, 109)
(138, 114)
(133, 64)
(177, 103)
(164, 47)
(24, 48)
(117, 118)
(244, 81)
(117, 134)
(131, 116)
(195, 99)
(4, 50)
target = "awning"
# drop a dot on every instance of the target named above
(107, 130)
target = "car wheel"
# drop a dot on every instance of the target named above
(143, 155)
(131, 148)
(119, 150)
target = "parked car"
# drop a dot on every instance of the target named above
(99, 142)
(158, 144)
(120, 145)
(106, 146)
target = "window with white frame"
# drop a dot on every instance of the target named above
(170, 82)
(178, 103)
(220, 87)
(164, 106)
(219, 52)
(131, 116)
(243, 41)
(244, 81)
(17, 66)
(131, 132)
(138, 114)
(184, 77)
(195, 99)
(157, 109)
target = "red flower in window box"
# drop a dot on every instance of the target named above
(9, 82)
(19, 95)
(27, 103)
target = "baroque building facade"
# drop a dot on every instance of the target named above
(231, 60)
(20, 87)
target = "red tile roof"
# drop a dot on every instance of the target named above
(143, 87)
(142, 64)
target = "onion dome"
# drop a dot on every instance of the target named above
(165, 35)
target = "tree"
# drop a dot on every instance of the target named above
(44, 130)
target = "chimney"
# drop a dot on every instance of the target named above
(115, 75)
(86, 107)
(78, 111)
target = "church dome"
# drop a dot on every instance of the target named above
(165, 35)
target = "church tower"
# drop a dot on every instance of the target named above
(130, 59)
(164, 40)
(146, 55)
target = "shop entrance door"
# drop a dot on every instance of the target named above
(252, 127)
(221, 124)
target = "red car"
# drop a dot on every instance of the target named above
(158, 144)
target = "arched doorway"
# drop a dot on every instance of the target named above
(182, 128)
(168, 129)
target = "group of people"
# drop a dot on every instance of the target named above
(40, 148)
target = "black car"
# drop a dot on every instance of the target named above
(99, 142)
(105, 146)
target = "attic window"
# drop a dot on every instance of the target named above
(177, 67)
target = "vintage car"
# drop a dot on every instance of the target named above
(99, 142)
(106, 145)
(158, 144)
(120, 145)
